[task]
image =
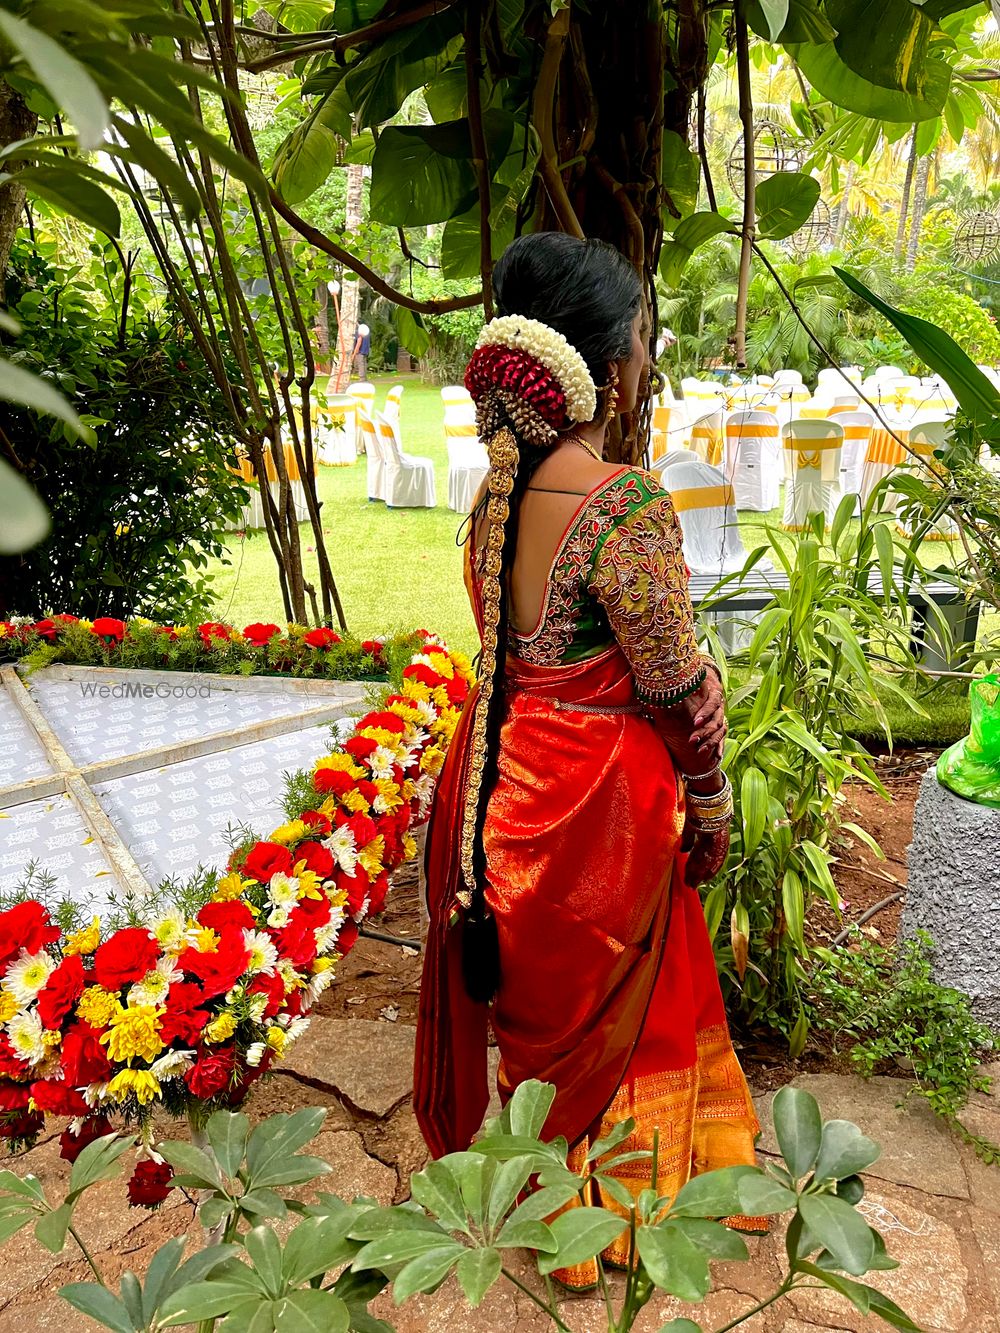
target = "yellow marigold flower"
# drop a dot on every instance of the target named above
(446, 723)
(86, 624)
(206, 940)
(440, 697)
(409, 846)
(134, 1032)
(322, 964)
(97, 1007)
(444, 666)
(355, 802)
(183, 631)
(431, 760)
(294, 831)
(415, 689)
(463, 665)
(328, 807)
(392, 797)
(221, 1028)
(381, 736)
(310, 884)
(341, 762)
(230, 886)
(84, 941)
(370, 857)
(409, 789)
(145, 1085)
(51, 1038)
(8, 1006)
(276, 1039)
(405, 711)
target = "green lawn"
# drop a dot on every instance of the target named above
(401, 569)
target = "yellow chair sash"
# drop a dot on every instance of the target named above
(702, 497)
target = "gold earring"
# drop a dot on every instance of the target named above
(611, 406)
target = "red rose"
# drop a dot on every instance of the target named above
(183, 1020)
(418, 671)
(232, 914)
(108, 629)
(219, 970)
(333, 780)
(26, 927)
(265, 859)
(360, 747)
(57, 1098)
(62, 990)
(347, 938)
(297, 940)
(318, 858)
(13, 1097)
(213, 629)
(260, 635)
(321, 638)
(128, 955)
(373, 647)
(386, 721)
(318, 822)
(273, 987)
(45, 628)
(378, 895)
(211, 1071)
(150, 1183)
(362, 827)
(84, 1060)
(72, 1145)
(358, 887)
(10, 1065)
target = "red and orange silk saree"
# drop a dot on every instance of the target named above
(608, 987)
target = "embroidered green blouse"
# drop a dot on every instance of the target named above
(618, 574)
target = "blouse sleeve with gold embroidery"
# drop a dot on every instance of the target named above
(639, 576)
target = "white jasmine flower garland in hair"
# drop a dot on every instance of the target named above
(559, 357)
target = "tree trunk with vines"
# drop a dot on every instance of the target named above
(348, 327)
(17, 122)
(922, 180)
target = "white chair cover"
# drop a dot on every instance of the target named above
(812, 471)
(888, 373)
(408, 479)
(857, 428)
(672, 457)
(708, 437)
(335, 430)
(705, 507)
(924, 439)
(393, 403)
(467, 465)
(373, 456)
(363, 394)
(787, 377)
(753, 460)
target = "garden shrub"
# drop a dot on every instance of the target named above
(136, 515)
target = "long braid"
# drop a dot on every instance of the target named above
(511, 467)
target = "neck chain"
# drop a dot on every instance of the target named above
(589, 448)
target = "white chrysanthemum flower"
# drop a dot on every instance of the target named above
(423, 792)
(294, 1028)
(254, 1053)
(286, 971)
(279, 917)
(26, 977)
(172, 1065)
(283, 890)
(27, 1037)
(319, 984)
(427, 711)
(326, 935)
(382, 761)
(340, 843)
(263, 954)
(563, 362)
(171, 931)
(154, 987)
(256, 1004)
(96, 1094)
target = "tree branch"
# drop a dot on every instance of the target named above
(372, 32)
(749, 183)
(434, 306)
(544, 104)
(480, 160)
(408, 253)
(703, 150)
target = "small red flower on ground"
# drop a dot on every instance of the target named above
(150, 1184)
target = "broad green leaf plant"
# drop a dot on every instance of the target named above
(469, 1213)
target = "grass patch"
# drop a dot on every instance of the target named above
(401, 569)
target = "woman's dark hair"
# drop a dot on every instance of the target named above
(588, 292)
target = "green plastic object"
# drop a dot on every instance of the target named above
(971, 767)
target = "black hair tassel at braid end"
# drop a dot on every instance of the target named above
(480, 953)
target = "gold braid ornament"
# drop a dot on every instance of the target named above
(504, 457)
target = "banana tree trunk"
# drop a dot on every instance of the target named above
(917, 212)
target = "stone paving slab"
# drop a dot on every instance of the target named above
(369, 1064)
